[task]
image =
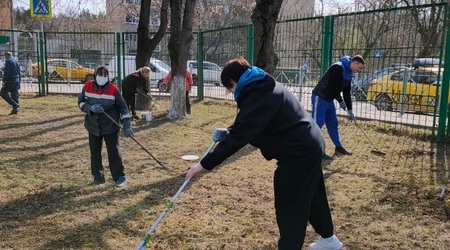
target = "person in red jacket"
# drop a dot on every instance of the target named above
(101, 101)
(188, 85)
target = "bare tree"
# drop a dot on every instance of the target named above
(181, 20)
(146, 44)
(430, 25)
(264, 19)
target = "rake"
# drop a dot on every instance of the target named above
(134, 139)
(219, 135)
(376, 151)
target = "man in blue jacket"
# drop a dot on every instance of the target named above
(337, 79)
(271, 119)
(11, 82)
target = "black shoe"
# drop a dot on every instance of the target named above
(96, 182)
(326, 157)
(341, 151)
(14, 110)
(135, 117)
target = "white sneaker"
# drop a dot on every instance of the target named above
(121, 181)
(322, 244)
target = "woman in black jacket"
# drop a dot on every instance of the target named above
(271, 119)
(132, 82)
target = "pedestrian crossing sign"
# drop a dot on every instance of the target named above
(41, 8)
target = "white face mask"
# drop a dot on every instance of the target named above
(101, 80)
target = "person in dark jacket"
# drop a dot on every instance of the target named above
(336, 80)
(11, 82)
(99, 99)
(271, 119)
(133, 81)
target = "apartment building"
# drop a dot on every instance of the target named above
(123, 15)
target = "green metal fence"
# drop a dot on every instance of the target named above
(390, 40)
(305, 47)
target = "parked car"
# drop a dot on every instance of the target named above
(63, 69)
(211, 72)
(159, 69)
(360, 87)
(418, 95)
(427, 62)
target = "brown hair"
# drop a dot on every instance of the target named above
(358, 58)
(102, 71)
(233, 70)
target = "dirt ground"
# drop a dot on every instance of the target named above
(378, 202)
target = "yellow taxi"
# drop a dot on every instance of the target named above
(66, 70)
(413, 89)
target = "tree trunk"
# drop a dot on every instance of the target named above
(264, 18)
(146, 45)
(179, 43)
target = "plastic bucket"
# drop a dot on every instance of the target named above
(146, 116)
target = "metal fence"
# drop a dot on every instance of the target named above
(305, 47)
(390, 40)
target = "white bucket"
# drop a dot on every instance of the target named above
(146, 116)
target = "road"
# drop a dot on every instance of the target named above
(361, 109)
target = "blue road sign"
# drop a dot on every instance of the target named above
(41, 8)
(378, 53)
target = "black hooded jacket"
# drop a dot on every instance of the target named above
(133, 81)
(271, 119)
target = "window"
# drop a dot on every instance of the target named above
(133, 1)
(153, 68)
(193, 65)
(425, 77)
(131, 18)
(130, 37)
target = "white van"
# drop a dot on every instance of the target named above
(211, 72)
(128, 64)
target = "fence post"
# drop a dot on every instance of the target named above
(200, 85)
(327, 43)
(118, 61)
(250, 43)
(43, 65)
(445, 81)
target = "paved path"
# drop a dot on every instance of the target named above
(361, 109)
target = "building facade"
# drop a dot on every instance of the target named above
(5, 14)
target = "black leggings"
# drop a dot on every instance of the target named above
(114, 156)
(130, 99)
(188, 103)
(300, 196)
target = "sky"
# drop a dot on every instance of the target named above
(64, 6)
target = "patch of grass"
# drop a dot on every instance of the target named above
(377, 202)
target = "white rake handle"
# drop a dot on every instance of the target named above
(169, 205)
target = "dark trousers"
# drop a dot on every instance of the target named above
(114, 157)
(130, 99)
(300, 197)
(188, 103)
(13, 89)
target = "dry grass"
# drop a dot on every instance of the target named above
(388, 202)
